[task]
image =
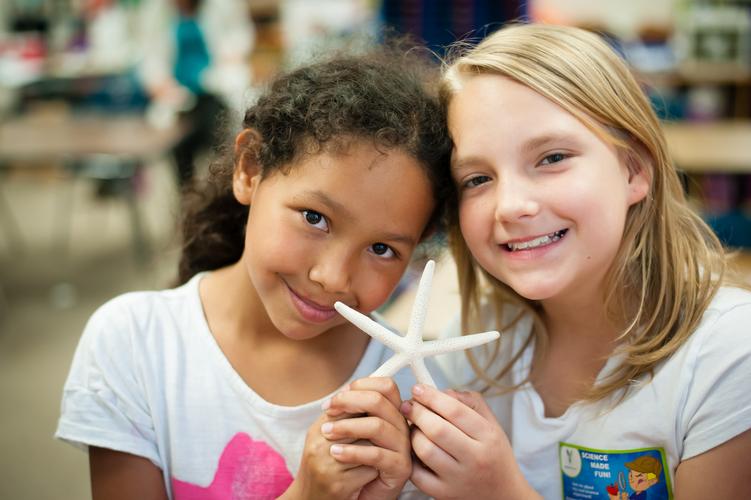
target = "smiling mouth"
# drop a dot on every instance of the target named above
(309, 310)
(538, 242)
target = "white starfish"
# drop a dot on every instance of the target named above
(411, 349)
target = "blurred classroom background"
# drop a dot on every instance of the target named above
(108, 107)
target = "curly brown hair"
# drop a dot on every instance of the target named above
(385, 95)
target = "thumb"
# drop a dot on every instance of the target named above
(380, 488)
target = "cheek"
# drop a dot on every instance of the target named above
(276, 246)
(474, 222)
(376, 286)
(588, 201)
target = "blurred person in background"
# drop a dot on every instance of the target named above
(195, 66)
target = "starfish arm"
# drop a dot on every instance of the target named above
(420, 306)
(372, 328)
(422, 375)
(435, 347)
(391, 366)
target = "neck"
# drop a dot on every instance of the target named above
(581, 339)
(586, 321)
(580, 312)
(280, 369)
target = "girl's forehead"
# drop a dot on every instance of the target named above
(360, 166)
(487, 100)
(381, 191)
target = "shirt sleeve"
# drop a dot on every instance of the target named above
(104, 402)
(718, 400)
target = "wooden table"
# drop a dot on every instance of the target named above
(714, 147)
(121, 143)
(39, 139)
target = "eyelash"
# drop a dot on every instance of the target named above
(562, 156)
(471, 182)
(393, 255)
(322, 218)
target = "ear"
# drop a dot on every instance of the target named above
(639, 169)
(247, 174)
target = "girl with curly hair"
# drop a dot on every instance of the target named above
(215, 389)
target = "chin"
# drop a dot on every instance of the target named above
(535, 292)
(301, 334)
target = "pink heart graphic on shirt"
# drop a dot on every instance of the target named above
(247, 470)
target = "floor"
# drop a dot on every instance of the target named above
(49, 285)
(58, 268)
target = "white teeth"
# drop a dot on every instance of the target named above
(537, 242)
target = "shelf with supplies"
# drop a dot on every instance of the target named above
(711, 147)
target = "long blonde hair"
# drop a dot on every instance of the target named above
(669, 265)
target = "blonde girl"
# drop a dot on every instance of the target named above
(624, 368)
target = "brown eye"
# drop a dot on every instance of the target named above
(315, 219)
(382, 250)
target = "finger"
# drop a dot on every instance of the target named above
(354, 478)
(317, 455)
(431, 455)
(438, 430)
(383, 385)
(426, 480)
(462, 416)
(360, 401)
(334, 412)
(475, 401)
(373, 403)
(451, 392)
(363, 453)
(374, 429)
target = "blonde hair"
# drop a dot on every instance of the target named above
(669, 265)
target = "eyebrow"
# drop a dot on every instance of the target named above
(543, 140)
(343, 211)
(330, 203)
(399, 238)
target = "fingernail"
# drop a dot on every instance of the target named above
(336, 449)
(327, 428)
(326, 404)
(405, 407)
(418, 390)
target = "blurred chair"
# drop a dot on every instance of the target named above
(109, 149)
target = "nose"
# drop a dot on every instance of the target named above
(515, 199)
(332, 270)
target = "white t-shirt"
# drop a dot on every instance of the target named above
(148, 378)
(699, 398)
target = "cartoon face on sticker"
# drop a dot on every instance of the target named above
(644, 472)
(614, 474)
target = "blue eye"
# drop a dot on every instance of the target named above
(553, 158)
(476, 181)
(382, 250)
(315, 219)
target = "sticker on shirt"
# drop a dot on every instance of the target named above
(246, 469)
(614, 474)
